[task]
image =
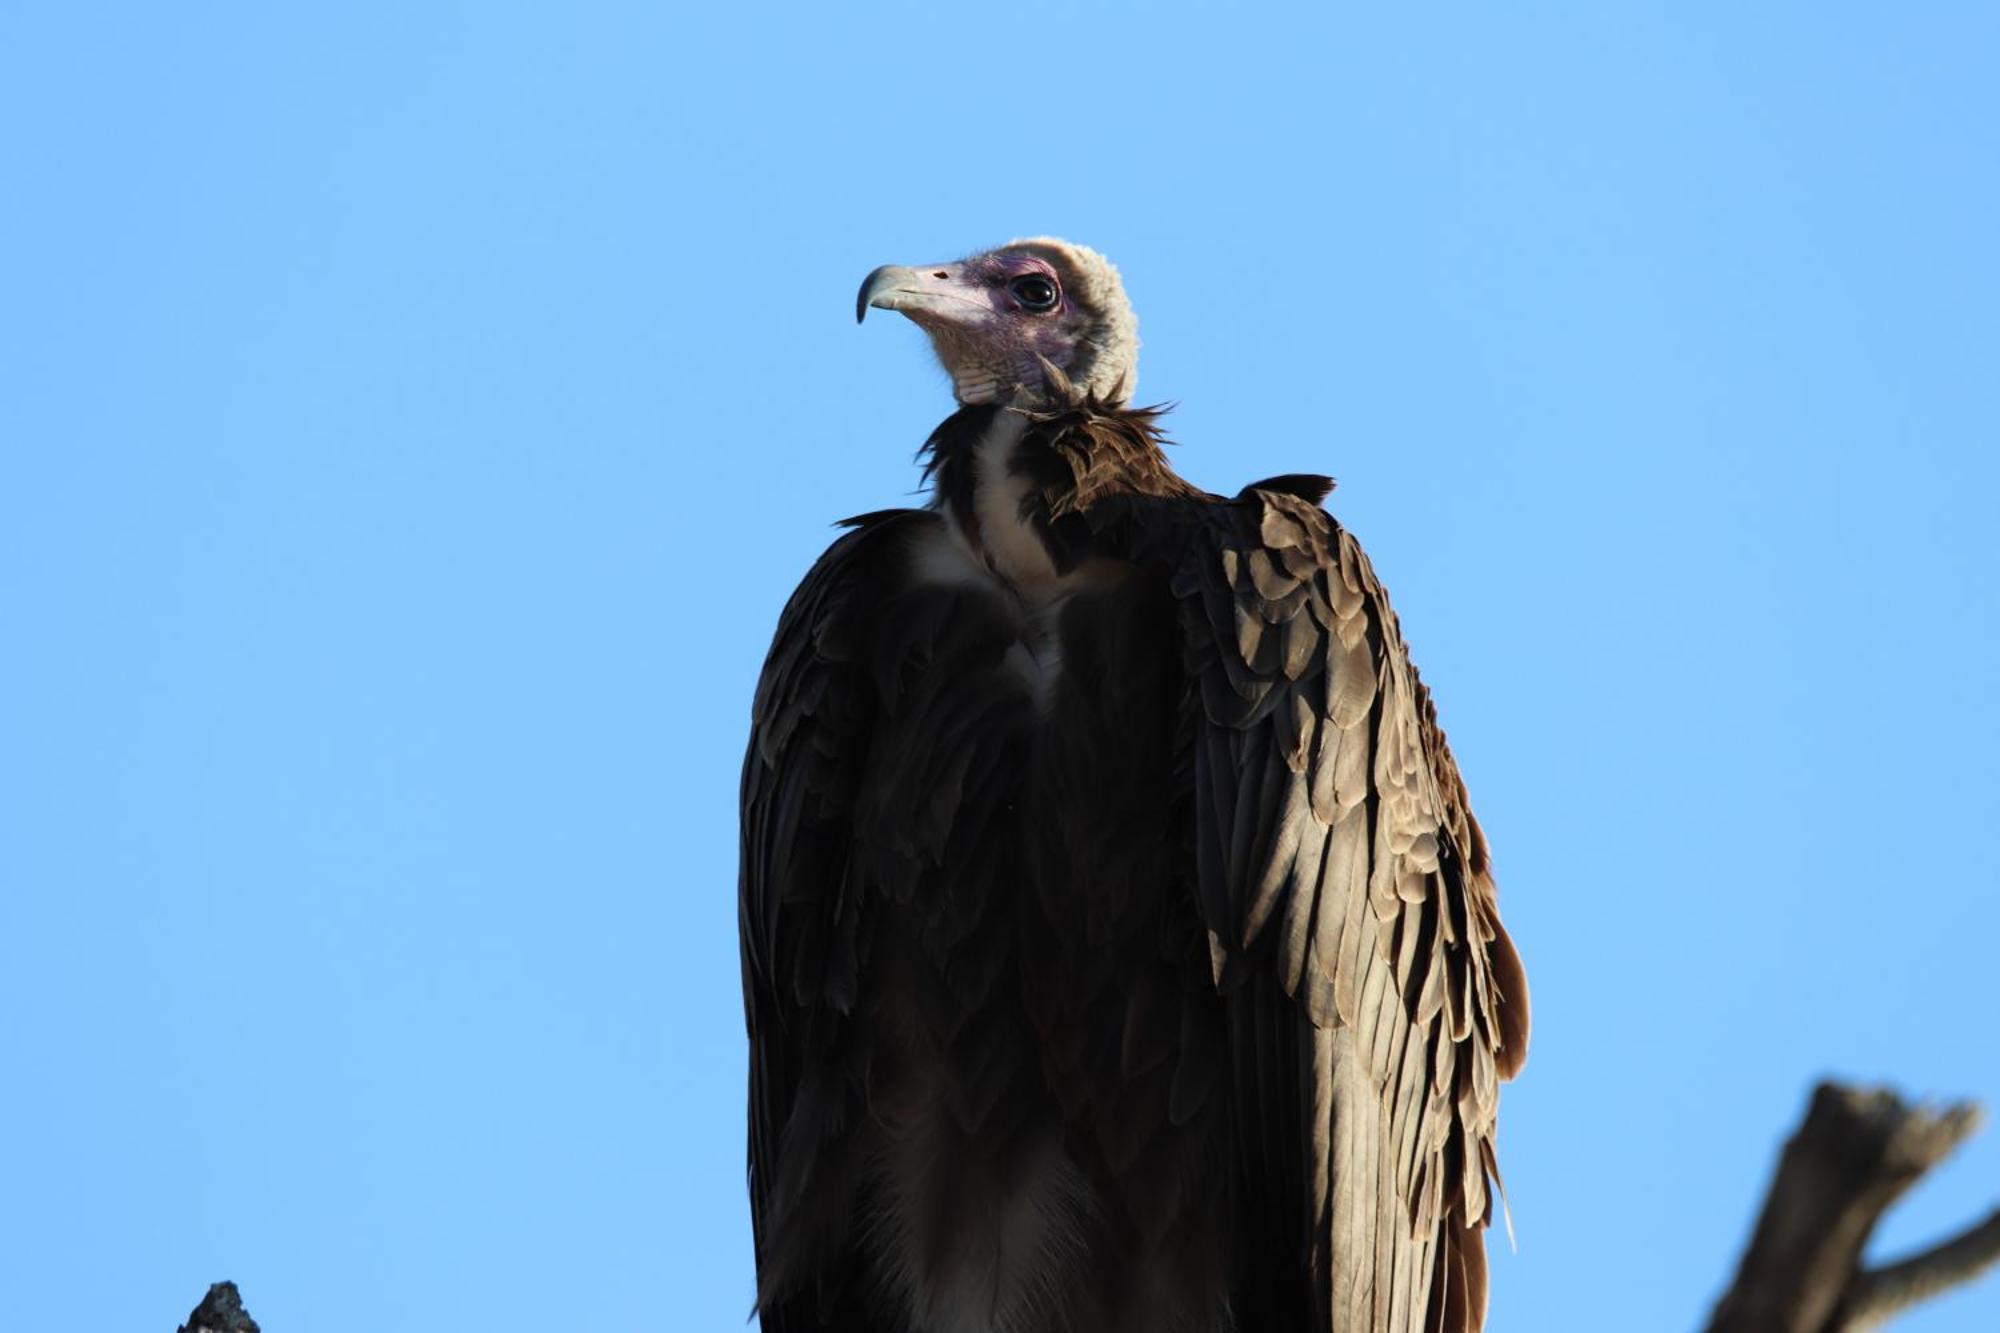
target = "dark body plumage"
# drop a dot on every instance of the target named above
(1119, 949)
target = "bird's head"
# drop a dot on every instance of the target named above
(1001, 320)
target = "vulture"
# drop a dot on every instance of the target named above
(1120, 952)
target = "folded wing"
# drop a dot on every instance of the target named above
(1375, 1000)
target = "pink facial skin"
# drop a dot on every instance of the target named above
(982, 314)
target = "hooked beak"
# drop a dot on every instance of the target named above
(935, 294)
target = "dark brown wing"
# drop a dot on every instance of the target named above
(1375, 1001)
(799, 900)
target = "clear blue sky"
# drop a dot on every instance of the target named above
(413, 416)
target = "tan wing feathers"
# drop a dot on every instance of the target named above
(1354, 866)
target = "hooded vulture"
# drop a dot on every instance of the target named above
(1119, 949)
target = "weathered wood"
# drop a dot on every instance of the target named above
(1893, 1288)
(1854, 1155)
(221, 1311)
(1857, 1151)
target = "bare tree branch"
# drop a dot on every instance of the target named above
(221, 1311)
(1881, 1293)
(1856, 1153)
(1853, 1156)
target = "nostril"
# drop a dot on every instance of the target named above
(940, 274)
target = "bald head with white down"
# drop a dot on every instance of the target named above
(998, 320)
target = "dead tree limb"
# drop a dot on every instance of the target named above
(221, 1311)
(1856, 1153)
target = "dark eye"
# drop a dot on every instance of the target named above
(1034, 292)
